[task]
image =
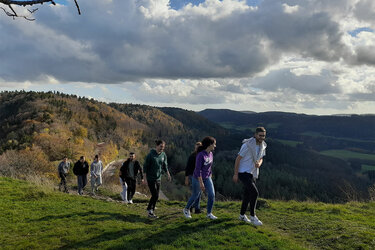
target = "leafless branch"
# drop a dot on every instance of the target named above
(14, 14)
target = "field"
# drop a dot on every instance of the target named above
(346, 154)
(37, 217)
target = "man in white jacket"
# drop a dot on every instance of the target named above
(246, 169)
(96, 174)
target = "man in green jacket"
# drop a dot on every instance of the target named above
(155, 164)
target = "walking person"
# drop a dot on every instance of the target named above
(202, 177)
(155, 164)
(96, 174)
(246, 169)
(189, 170)
(128, 177)
(63, 170)
(81, 169)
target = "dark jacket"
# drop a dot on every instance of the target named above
(124, 170)
(190, 165)
(81, 168)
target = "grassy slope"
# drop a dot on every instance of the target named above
(35, 217)
(346, 154)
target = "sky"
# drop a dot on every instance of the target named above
(305, 56)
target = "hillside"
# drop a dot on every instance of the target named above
(40, 218)
(38, 129)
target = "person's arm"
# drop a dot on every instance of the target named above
(140, 171)
(258, 163)
(92, 170)
(165, 166)
(236, 166)
(146, 166)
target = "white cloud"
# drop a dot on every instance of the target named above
(291, 54)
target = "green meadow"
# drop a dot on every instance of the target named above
(37, 217)
(346, 154)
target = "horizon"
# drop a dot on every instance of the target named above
(311, 57)
(207, 108)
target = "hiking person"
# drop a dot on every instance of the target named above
(202, 177)
(155, 164)
(128, 177)
(63, 170)
(189, 170)
(81, 169)
(96, 174)
(246, 169)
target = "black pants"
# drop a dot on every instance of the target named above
(131, 187)
(154, 187)
(63, 182)
(250, 194)
(82, 181)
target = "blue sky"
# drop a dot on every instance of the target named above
(306, 56)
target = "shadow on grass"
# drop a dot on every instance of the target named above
(97, 216)
(147, 239)
(108, 236)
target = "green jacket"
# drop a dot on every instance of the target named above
(155, 164)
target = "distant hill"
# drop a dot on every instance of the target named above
(38, 129)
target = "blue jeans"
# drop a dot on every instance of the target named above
(197, 203)
(209, 186)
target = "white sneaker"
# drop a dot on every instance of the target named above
(211, 216)
(186, 213)
(130, 201)
(244, 218)
(255, 221)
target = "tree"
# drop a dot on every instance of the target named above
(12, 13)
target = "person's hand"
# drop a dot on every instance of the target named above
(186, 181)
(169, 177)
(202, 187)
(257, 164)
(143, 181)
(235, 178)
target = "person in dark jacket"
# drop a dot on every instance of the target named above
(155, 164)
(128, 177)
(189, 170)
(81, 169)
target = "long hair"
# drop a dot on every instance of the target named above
(206, 142)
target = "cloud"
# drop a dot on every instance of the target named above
(212, 52)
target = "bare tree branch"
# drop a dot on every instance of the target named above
(14, 14)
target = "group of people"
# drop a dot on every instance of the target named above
(246, 169)
(81, 169)
(198, 174)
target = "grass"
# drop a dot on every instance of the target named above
(346, 154)
(290, 142)
(40, 218)
(367, 168)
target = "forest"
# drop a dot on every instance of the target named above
(37, 129)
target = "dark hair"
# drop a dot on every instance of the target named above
(206, 142)
(260, 129)
(81, 157)
(96, 157)
(158, 142)
(131, 153)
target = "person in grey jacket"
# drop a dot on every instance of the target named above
(63, 170)
(96, 174)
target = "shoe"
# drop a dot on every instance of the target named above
(198, 211)
(186, 213)
(255, 221)
(151, 214)
(244, 218)
(211, 216)
(130, 201)
(125, 202)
